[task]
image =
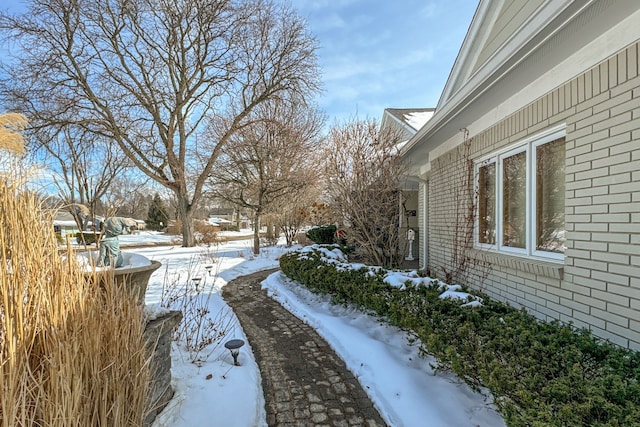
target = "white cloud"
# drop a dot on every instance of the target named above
(429, 11)
(329, 22)
(415, 57)
(322, 5)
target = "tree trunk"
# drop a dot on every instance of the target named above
(290, 231)
(185, 214)
(256, 233)
(268, 234)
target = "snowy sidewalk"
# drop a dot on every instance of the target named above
(305, 383)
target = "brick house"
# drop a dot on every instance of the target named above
(532, 163)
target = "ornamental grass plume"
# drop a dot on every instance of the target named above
(71, 353)
(11, 124)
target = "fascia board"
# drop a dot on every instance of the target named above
(513, 52)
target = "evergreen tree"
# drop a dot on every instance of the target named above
(157, 217)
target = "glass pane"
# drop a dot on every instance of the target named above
(486, 204)
(550, 230)
(514, 200)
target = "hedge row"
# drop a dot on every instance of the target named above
(541, 374)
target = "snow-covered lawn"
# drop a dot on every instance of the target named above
(401, 384)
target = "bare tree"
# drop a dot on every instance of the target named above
(85, 167)
(130, 196)
(297, 209)
(364, 174)
(170, 81)
(269, 161)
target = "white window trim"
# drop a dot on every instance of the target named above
(528, 145)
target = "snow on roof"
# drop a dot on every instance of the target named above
(417, 119)
(215, 220)
(65, 223)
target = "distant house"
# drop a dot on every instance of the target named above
(64, 223)
(532, 163)
(235, 216)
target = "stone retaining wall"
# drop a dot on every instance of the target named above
(158, 338)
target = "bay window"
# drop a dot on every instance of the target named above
(520, 198)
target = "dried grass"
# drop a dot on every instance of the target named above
(11, 125)
(71, 353)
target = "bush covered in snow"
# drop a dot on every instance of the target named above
(540, 373)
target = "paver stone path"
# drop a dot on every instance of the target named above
(304, 382)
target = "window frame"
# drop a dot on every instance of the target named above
(476, 227)
(529, 146)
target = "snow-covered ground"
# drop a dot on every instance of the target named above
(401, 384)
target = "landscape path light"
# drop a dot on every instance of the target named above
(234, 348)
(208, 268)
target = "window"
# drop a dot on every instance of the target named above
(549, 197)
(486, 204)
(514, 200)
(520, 206)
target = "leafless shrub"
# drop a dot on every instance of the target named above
(364, 174)
(201, 331)
(268, 241)
(174, 228)
(459, 265)
(205, 233)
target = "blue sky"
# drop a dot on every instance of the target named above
(378, 54)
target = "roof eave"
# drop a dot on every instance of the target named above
(532, 35)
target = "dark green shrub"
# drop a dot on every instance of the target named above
(323, 235)
(157, 216)
(540, 373)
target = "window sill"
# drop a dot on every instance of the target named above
(529, 264)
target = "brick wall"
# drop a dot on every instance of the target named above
(598, 285)
(450, 217)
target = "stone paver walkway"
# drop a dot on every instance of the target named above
(304, 382)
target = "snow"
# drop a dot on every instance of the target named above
(147, 237)
(453, 292)
(218, 221)
(153, 311)
(403, 386)
(418, 119)
(88, 261)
